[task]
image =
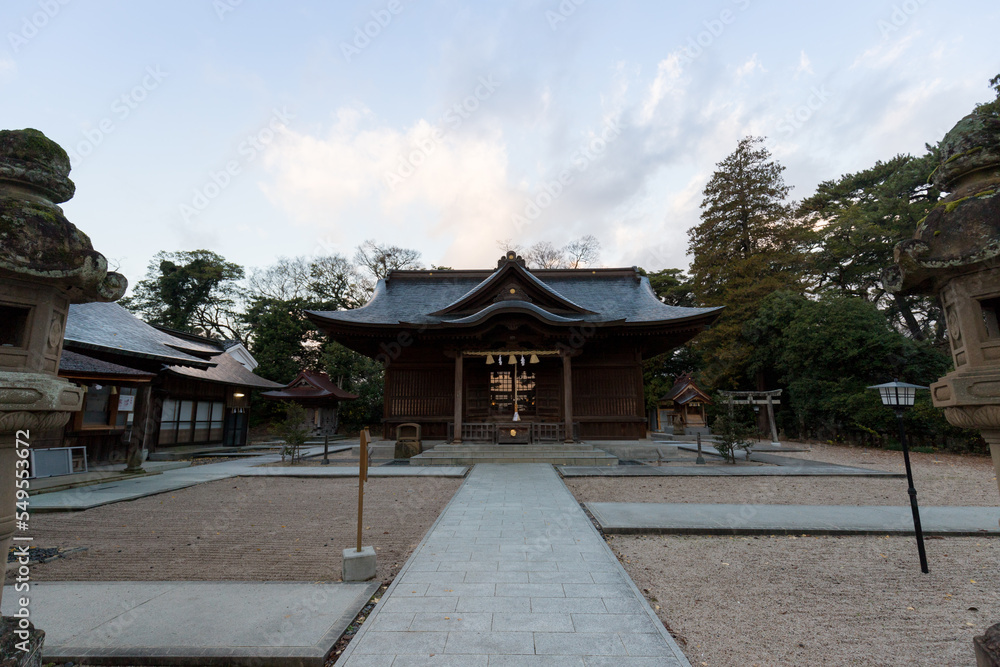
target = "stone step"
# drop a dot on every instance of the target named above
(575, 454)
(420, 460)
(576, 447)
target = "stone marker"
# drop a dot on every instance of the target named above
(359, 565)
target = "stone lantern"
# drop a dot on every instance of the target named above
(955, 255)
(46, 264)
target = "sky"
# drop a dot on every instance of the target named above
(302, 128)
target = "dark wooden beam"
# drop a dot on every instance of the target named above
(458, 398)
(568, 397)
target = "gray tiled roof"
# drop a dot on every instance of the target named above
(310, 385)
(611, 295)
(226, 371)
(76, 363)
(108, 326)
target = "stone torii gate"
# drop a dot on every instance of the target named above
(768, 398)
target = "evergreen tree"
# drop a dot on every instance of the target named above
(746, 247)
(194, 290)
(859, 219)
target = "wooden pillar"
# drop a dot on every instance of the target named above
(568, 397)
(770, 419)
(141, 424)
(458, 398)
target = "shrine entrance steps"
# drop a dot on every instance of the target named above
(573, 454)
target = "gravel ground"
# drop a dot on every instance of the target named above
(254, 529)
(818, 601)
(940, 479)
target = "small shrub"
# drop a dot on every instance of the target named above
(732, 434)
(293, 430)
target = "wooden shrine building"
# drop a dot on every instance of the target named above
(515, 355)
(319, 395)
(681, 411)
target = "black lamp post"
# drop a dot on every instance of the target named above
(899, 396)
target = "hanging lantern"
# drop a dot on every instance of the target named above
(489, 359)
(500, 359)
(512, 361)
(522, 359)
(533, 359)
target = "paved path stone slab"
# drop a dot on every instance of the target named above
(513, 573)
(692, 518)
(204, 623)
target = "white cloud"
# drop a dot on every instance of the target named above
(423, 181)
(886, 52)
(749, 67)
(8, 68)
(668, 74)
(805, 65)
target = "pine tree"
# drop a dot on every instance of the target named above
(746, 247)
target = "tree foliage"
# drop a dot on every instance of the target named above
(747, 246)
(827, 352)
(194, 290)
(673, 287)
(992, 107)
(359, 375)
(374, 262)
(859, 218)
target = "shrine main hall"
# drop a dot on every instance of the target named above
(515, 355)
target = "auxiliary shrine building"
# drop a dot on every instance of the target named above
(515, 355)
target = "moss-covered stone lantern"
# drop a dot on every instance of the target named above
(46, 263)
(955, 255)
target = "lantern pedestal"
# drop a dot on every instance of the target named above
(971, 399)
(20, 647)
(988, 647)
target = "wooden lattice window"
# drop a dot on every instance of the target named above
(508, 384)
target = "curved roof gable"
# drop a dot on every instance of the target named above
(511, 282)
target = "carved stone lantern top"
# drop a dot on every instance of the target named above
(39, 244)
(962, 233)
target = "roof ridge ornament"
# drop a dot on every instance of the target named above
(511, 256)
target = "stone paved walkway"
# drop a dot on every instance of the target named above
(513, 573)
(704, 519)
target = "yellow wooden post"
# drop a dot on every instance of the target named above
(362, 478)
